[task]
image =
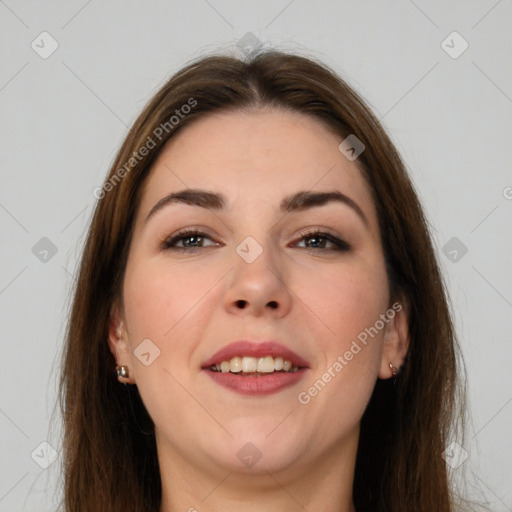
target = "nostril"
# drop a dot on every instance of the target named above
(243, 303)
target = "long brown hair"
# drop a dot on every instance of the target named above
(109, 451)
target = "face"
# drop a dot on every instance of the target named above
(298, 279)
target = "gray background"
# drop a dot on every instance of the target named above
(64, 117)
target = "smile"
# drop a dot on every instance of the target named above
(247, 365)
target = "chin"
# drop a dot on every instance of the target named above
(257, 449)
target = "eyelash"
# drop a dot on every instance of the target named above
(341, 245)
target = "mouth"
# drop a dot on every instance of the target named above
(255, 368)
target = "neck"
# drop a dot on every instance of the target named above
(324, 483)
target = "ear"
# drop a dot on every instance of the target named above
(119, 344)
(396, 339)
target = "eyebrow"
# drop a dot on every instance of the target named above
(295, 202)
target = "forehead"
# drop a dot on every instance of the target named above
(255, 158)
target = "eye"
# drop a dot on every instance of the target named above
(189, 240)
(317, 239)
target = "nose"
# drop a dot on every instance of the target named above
(258, 288)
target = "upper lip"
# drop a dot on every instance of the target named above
(255, 349)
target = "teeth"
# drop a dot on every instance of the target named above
(249, 364)
(236, 364)
(246, 364)
(266, 364)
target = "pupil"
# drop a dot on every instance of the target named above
(316, 242)
(189, 241)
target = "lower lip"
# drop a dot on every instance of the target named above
(257, 385)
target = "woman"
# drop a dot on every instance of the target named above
(259, 321)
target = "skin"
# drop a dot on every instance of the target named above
(187, 304)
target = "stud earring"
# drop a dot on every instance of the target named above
(122, 371)
(394, 370)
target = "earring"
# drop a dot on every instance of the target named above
(394, 370)
(122, 371)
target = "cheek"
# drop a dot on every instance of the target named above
(349, 307)
(171, 306)
(159, 297)
(348, 301)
